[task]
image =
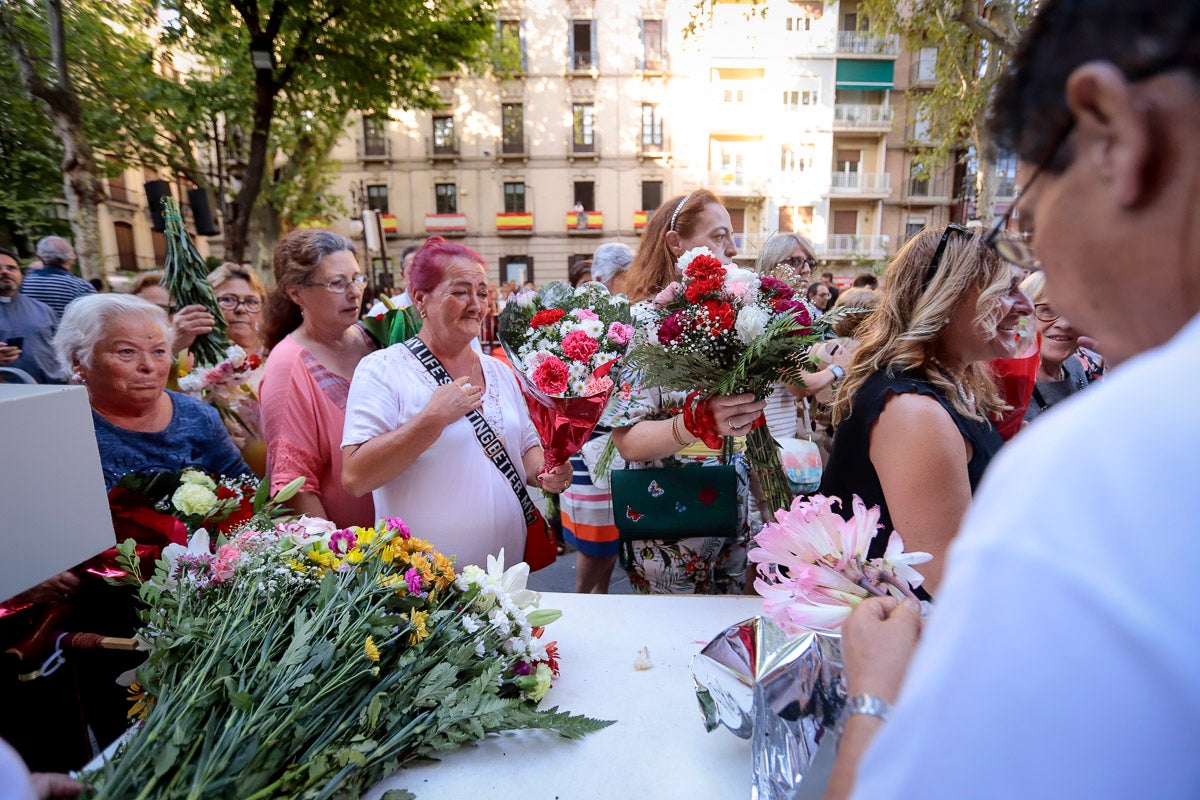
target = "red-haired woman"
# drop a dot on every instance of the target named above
(411, 437)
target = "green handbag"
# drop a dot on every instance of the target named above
(673, 503)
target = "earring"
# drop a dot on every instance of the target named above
(77, 376)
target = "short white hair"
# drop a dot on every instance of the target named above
(609, 260)
(55, 251)
(85, 322)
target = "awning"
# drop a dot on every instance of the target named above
(865, 74)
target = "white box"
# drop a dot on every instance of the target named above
(53, 507)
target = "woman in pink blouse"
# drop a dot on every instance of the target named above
(315, 342)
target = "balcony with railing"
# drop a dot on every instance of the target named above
(585, 222)
(514, 222)
(861, 183)
(443, 150)
(866, 44)
(926, 190)
(446, 224)
(863, 117)
(120, 193)
(512, 148)
(840, 245)
(731, 182)
(584, 147)
(921, 72)
(584, 61)
(656, 146)
(374, 148)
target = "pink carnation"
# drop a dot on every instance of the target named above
(620, 333)
(343, 541)
(397, 524)
(221, 570)
(597, 386)
(668, 294)
(413, 578)
(584, 313)
(228, 553)
(671, 328)
(551, 376)
(578, 346)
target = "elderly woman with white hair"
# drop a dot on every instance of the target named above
(610, 262)
(119, 347)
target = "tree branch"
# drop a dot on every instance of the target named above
(984, 29)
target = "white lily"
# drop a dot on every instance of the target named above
(511, 581)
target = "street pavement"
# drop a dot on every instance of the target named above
(560, 577)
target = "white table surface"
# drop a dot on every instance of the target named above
(658, 747)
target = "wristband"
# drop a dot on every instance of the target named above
(837, 371)
(867, 704)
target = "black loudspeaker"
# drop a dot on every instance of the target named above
(202, 214)
(155, 192)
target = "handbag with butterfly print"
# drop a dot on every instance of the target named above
(673, 503)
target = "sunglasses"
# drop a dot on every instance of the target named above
(953, 227)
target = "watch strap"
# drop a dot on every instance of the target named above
(867, 704)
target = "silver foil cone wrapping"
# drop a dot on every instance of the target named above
(784, 694)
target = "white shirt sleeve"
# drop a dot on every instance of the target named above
(374, 404)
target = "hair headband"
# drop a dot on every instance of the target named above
(678, 208)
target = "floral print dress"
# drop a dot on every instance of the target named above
(700, 565)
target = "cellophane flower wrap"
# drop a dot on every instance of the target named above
(563, 343)
(813, 567)
(308, 661)
(231, 387)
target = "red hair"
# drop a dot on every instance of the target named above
(429, 264)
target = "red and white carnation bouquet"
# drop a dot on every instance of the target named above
(813, 567)
(563, 343)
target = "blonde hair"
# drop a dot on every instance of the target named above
(229, 270)
(856, 297)
(1034, 287)
(653, 266)
(143, 280)
(906, 330)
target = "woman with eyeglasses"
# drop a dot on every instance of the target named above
(1061, 372)
(913, 414)
(187, 322)
(790, 257)
(240, 295)
(311, 329)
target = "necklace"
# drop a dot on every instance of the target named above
(967, 395)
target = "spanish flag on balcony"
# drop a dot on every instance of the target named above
(516, 221)
(595, 221)
(639, 220)
(390, 224)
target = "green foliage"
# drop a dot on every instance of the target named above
(185, 278)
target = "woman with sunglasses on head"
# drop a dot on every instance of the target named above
(311, 328)
(648, 429)
(1061, 371)
(914, 433)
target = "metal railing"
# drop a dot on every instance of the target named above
(863, 116)
(374, 148)
(582, 148)
(841, 244)
(511, 147)
(445, 150)
(868, 44)
(861, 183)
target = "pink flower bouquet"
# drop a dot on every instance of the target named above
(813, 567)
(563, 343)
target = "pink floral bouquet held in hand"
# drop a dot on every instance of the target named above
(813, 567)
(563, 343)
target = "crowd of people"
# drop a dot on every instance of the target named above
(1048, 614)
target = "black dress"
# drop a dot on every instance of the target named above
(850, 471)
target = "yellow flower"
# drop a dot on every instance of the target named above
(423, 565)
(297, 566)
(371, 650)
(141, 701)
(391, 581)
(365, 536)
(415, 545)
(354, 556)
(419, 632)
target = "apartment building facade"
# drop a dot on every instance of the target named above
(784, 108)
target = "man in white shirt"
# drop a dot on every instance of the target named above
(401, 300)
(1063, 656)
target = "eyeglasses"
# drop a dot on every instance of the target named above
(953, 227)
(228, 302)
(1045, 312)
(797, 262)
(340, 285)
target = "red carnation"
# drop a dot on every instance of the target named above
(578, 346)
(699, 288)
(720, 316)
(705, 266)
(547, 316)
(551, 376)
